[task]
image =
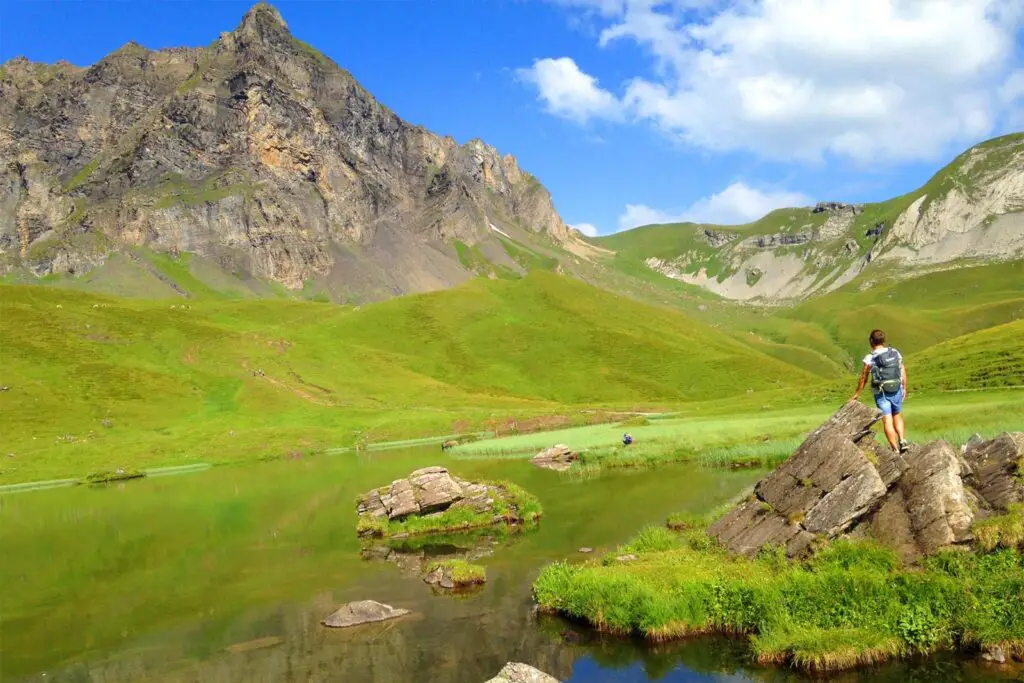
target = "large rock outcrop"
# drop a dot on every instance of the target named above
(841, 481)
(257, 153)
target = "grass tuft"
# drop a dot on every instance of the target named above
(1001, 531)
(462, 573)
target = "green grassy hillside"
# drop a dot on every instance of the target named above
(989, 358)
(95, 382)
(916, 313)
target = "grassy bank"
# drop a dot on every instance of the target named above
(852, 604)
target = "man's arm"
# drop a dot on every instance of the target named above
(863, 381)
(903, 378)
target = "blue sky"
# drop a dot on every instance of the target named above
(634, 111)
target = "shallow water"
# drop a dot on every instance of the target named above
(225, 575)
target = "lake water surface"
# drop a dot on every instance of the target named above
(225, 575)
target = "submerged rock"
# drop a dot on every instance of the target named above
(559, 458)
(994, 653)
(516, 672)
(841, 481)
(362, 612)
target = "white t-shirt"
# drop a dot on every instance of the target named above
(869, 360)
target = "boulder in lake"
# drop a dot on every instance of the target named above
(516, 672)
(431, 492)
(559, 458)
(362, 612)
(842, 482)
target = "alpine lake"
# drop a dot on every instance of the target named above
(225, 575)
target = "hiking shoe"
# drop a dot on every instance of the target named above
(904, 446)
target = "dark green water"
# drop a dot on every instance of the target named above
(225, 575)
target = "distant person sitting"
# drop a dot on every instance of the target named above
(627, 439)
(884, 365)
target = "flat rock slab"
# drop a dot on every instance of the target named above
(516, 672)
(822, 489)
(362, 612)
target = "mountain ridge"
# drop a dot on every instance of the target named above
(971, 209)
(256, 152)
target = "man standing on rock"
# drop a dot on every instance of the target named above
(889, 383)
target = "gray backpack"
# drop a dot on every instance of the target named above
(886, 373)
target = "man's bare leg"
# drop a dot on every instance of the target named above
(897, 423)
(890, 431)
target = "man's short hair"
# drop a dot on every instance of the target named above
(877, 337)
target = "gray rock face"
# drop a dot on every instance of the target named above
(779, 240)
(256, 152)
(996, 469)
(515, 672)
(837, 207)
(841, 481)
(717, 238)
(559, 458)
(362, 612)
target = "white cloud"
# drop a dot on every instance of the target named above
(868, 80)
(736, 204)
(587, 229)
(568, 92)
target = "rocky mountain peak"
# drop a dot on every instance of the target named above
(263, 24)
(257, 153)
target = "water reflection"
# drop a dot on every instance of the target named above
(224, 577)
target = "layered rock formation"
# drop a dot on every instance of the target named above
(842, 482)
(257, 153)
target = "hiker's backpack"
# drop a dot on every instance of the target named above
(886, 372)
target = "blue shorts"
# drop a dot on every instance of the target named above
(890, 404)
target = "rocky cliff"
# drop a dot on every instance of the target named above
(971, 210)
(257, 153)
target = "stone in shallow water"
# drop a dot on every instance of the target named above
(559, 458)
(362, 612)
(516, 672)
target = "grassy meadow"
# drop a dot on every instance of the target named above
(96, 382)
